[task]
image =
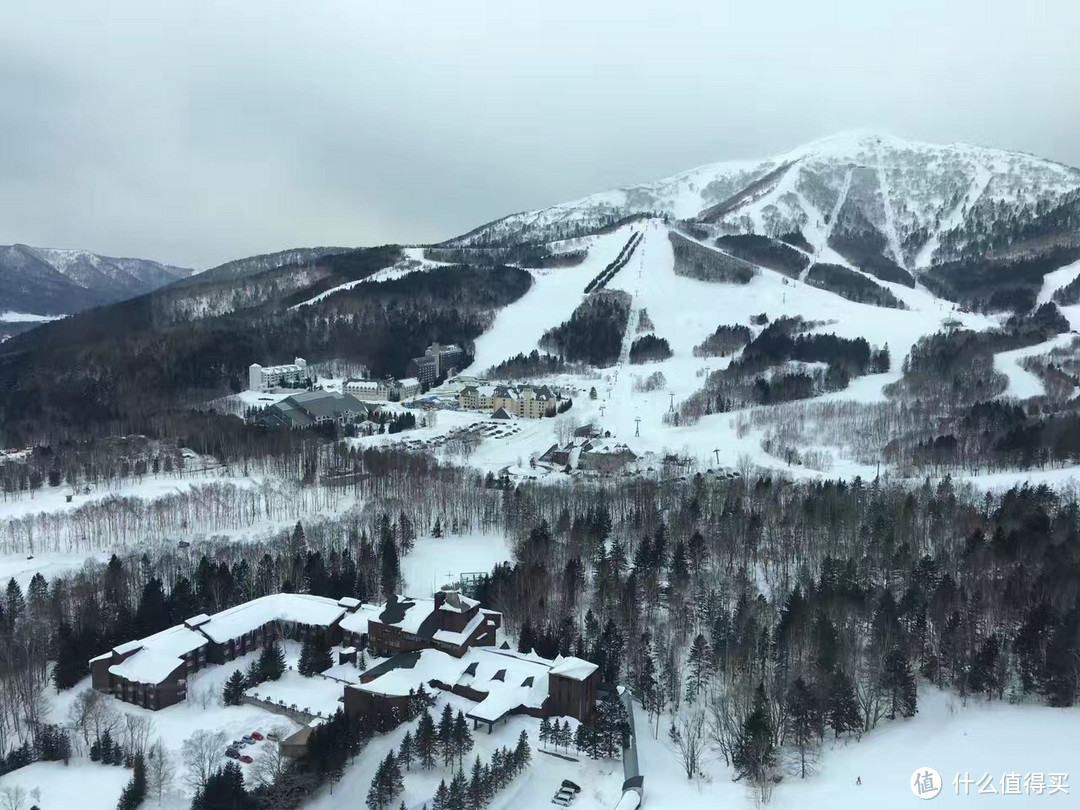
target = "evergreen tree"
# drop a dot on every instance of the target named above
(802, 719)
(754, 755)
(698, 667)
(254, 674)
(389, 565)
(476, 793)
(377, 798)
(152, 615)
(71, 656)
(315, 656)
(1060, 680)
(234, 689)
(458, 792)
(406, 750)
(135, 791)
(445, 735)
(526, 639)
(106, 747)
(441, 800)
(522, 752)
(224, 790)
(463, 739)
(545, 731)
(427, 741)
(899, 682)
(842, 704)
(14, 602)
(271, 661)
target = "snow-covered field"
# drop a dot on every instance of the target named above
(434, 561)
(685, 311)
(980, 738)
(27, 317)
(48, 565)
(81, 785)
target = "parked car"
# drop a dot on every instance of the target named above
(248, 740)
(246, 759)
(238, 743)
(232, 753)
(273, 736)
(257, 736)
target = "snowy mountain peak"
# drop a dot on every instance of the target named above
(52, 281)
(914, 204)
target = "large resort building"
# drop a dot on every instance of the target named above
(266, 378)
(153, 672)
(528, 402)
(447, 642)
(437, 362)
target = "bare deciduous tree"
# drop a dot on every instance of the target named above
(201, 753)
(160, 769)
(12, 798)
(138, 728)
(687, 732)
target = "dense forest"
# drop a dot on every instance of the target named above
(762, 373)
(724, 341)
(111, 370)
(852, 286)
(694, 260)
(595, 330)
(766, 252)
(825, 605)
(649, 348)
(1010, 283)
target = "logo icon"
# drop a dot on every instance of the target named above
(925, 783)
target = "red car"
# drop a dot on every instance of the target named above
(246, 759)
(257, 736)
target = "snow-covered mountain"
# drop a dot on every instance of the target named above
(915, 204)
(48, 281)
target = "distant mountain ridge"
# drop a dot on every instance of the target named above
(912, 204)
(50, 281)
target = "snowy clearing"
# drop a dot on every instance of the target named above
(435, 561)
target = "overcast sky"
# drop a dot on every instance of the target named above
(195, 132)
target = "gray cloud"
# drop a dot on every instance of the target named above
(194, 133)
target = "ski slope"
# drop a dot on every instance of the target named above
(685, 311)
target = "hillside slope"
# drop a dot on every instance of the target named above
(48, 281)
(914, 205)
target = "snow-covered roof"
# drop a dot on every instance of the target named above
(456, 603)
(158, 655)
(410, 382)
(410, 671)
(577, 669)
(196, 621)
(357, 621)
(510, 680)
(407, 613)
(349, 602)
(457, 639)
(127, 647)
(298, 608)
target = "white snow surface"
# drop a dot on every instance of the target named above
(27, 317)
(299, 608)
(577, 669)
(928, 178)
(159, 655)
(437, 561)
(82, 784)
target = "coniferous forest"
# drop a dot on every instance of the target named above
(825, 607)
